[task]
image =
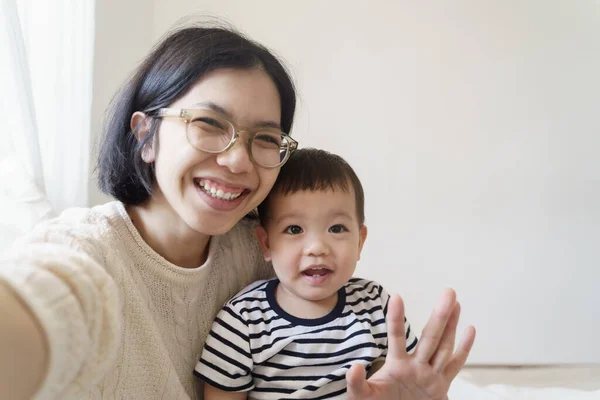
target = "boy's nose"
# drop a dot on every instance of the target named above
(317, 247)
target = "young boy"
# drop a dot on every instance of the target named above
(296, 336)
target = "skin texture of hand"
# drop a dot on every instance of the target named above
(428, 372)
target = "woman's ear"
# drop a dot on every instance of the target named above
(362, 236)
(140, 126)
(263, 240)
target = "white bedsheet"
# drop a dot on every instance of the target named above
(461, 389)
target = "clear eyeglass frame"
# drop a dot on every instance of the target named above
(188, 115)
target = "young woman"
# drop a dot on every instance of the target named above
(116, 301)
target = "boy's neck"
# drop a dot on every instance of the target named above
(303, 308)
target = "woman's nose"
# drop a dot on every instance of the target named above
(236, 158)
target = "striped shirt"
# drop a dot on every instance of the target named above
(256, 346)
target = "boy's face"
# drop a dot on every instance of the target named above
(314, 241)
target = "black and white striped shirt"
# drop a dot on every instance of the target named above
(256, 346)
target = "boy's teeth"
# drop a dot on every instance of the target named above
(316, 271)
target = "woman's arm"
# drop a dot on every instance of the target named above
(212, 393)
(24, 355)
(60, 314)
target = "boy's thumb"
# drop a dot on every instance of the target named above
(357, 382)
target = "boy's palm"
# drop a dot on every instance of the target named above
(424, 375)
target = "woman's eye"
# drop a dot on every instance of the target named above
(293, 230)
(268, 139)
(208, 121)
(338, 229)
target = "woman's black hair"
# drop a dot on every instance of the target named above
(174, 65)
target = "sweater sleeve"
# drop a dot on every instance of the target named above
(58, 272)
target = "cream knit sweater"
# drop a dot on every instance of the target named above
(121, 321)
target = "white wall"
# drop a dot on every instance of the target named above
(124, 34)
(473, 126)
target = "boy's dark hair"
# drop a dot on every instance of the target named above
(175, 64)
(315, 170)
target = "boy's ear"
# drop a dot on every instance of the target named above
(362, 236)
(140, 126)
(263, 240)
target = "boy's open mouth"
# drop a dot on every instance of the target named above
(319, 271)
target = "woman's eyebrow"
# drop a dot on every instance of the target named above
(221, 110)
(213, 106)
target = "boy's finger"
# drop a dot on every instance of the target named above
(356, 379)
(462, 353)
(433, 331)
(395, 327)
(443, 354)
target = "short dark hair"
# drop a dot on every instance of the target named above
(315, 170)
(168, 72)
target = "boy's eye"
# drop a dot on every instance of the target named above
(293, 230)
(338, 229)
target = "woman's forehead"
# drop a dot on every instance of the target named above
(247, 97)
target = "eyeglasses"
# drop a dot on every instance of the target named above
(209, 131)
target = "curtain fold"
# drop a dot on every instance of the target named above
(46, 75)
(18, 130)
(47, 67)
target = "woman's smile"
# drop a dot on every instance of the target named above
(220, 197)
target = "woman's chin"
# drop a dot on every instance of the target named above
(211, 226)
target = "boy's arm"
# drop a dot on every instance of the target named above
(212, 393)
(226, 363)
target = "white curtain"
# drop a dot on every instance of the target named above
(46, 66)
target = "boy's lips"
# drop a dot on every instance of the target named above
(316, 275)
(316, 270)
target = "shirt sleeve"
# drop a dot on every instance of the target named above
(226, 362)
(411, 338)
(60, 276)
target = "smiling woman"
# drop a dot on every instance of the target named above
(180, 166)
(118, 299)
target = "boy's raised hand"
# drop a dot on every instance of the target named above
(428, 372)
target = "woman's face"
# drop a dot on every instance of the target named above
(184, 175)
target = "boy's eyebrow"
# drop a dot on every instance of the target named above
(291, 215)
(288, 215)
(217, 108)
(343, 214)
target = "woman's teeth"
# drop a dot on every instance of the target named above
(218, 193)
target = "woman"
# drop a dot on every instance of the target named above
(116, 301)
